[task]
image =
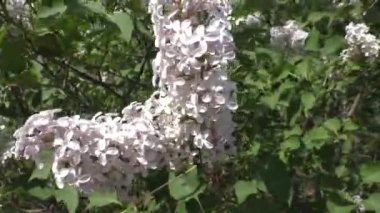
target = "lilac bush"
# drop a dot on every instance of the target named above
(189, 114)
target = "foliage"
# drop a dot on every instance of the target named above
(308, 123)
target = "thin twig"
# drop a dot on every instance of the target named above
(354, 105)
(87, 77)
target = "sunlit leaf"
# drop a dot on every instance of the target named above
(308, 100)
(57, 7)
(185, 186)
(370, 172)
(45, 158)
(335, 208)
(124, 22)
(245, 188)
(181, 207)
(69, 196)
(41, 193)
(98, 199)
(373, 202)
(333, 124)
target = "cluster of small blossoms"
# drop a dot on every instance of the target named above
(17, 9)
(343, 3)
(289, 36)
(195, 46)
(251, 20)
(358, 200)
(188, 118)
(360, 42)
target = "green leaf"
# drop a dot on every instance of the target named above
(46, 159)
(335, 208)
(333, 45)
(245, 188)
(185, 186)
(295, 131)
(3, 33)
(49, 44)
(271, 100)
(303, 69)
(30, 78)
(124, 22)
(259, 205)
(316, 138)
(333, 125)
(12, 55)
(308, 100)
(341, 171)
(69, 196)
(290, 144)
(130, 209)
(317, 16)
(274, 55)
(318, 133)
(253, 149)
(373, 202)
(277, 179)
(181, 207)
(349, 125)
(370, 172)
(41, 193)
(95, 6)
(312, 42)
(57, 7)
(102, 199)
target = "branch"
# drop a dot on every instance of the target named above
(87, 77)
(353, 107)
(16, 92)
(58, 62)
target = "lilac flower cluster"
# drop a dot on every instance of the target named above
(250, 20)
(188, 116)
(290, 36)
(343, 3)
(360, 42)
(18, 10)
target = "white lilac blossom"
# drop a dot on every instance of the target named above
(188, 116)
(251, 20)
(17, 9)
(360, 42)
(289, 36)
(358, 201)
(343, 3)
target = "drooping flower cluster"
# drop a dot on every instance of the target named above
(289, 36)
(188, 117)
(360, 42)
(190, 70)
